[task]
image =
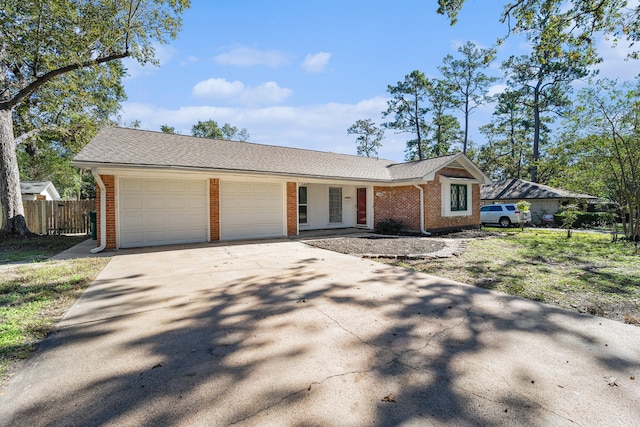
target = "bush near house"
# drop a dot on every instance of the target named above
(583, 220)
(390, 226)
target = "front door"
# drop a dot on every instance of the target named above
(362, 206)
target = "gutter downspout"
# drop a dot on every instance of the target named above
(422, 230)
(103, 212)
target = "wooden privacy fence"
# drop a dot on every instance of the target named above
(58, 217)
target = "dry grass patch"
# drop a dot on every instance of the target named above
(586, 273)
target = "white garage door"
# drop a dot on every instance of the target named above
(162, 212)
(251, 210)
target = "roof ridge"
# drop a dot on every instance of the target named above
(252, 143)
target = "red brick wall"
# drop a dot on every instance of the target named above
(399, 203)
(402, 203)
(214, 209)
(433, 203)
(292, 209)
(110, 187)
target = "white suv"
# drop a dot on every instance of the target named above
(503, 215)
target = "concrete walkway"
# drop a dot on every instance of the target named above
(279, 333)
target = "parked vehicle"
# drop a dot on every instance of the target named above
(503, 214)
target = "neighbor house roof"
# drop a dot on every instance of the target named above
(37, 187)
(511, 189)
(122, 147)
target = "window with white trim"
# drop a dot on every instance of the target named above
(302, 205)
(458, 197)
(335, 204)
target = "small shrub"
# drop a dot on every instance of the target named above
(390, 226)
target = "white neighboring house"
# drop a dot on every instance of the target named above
(38, 190)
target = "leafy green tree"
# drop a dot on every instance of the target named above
(210, 129)
(58, 120)
(605, 139)
(581, 19)
(369, 138)
(444, 128)
(409, 111)
(523, 206)
(469, 82)
(167, 129)
(543, 77)
(45, 40)
(508, 150)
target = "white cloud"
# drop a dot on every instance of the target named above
(496, 89)
(218, 89)
(163, 55)
(236, 92)
(317, 127)
(247, 57)
(265, 93)
(189, 60)
(615, 64)
(316, 63)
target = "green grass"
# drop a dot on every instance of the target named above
(35, 248)
(35, 296)
(586, 273)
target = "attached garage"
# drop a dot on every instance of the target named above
(251, 210)
(162, 211)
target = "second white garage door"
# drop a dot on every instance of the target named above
(251, 210)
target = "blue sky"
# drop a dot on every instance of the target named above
(299, 73)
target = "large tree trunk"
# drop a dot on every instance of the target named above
(13, 221)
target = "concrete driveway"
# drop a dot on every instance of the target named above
(283, 334)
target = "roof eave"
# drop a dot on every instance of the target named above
(468, 165)
(90, 165)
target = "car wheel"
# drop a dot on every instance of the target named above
(505, 222)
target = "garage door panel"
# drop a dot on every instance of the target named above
(154, 186)
(131, 185)
(132, 238)
(131, 202)
(132, 220)
(251, 210)
(175, 187)
(154, 202)
(197, 204)
(160, 212)
(195, 187)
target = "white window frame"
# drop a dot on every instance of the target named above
(446, 182)
(340, 206)
(306, 205)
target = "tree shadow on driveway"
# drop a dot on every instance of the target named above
(283, 334)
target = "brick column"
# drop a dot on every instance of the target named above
(214, 209)
(110, 187)
(292, 209)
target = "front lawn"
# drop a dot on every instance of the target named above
(35, 296)
(585, 273)
(35, 248)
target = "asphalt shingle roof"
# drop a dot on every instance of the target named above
(33, 187)
(132, 147)
(510, 189)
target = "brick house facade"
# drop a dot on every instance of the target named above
(402, 203)
(171, 189)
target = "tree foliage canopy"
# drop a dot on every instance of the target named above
(583, 18)
(369, 138)
(211, 129)
(409, 110)
(42, 41)
(468, 81)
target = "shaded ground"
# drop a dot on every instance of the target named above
(288, 335)
(586, 273)
(380, 246)
(35, 248)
